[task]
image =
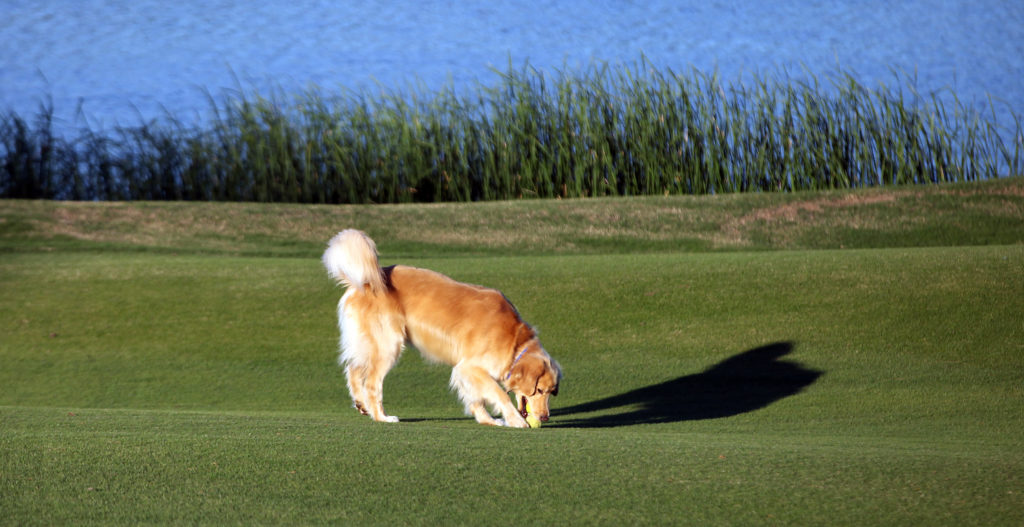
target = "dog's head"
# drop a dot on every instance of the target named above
(534, 378)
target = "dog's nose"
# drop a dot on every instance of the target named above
(544, 418)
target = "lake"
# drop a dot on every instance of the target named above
(122, 61)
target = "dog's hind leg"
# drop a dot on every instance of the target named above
(375, 389)
(356, 376)
(386, 346)
(356, 347)
(370, 347)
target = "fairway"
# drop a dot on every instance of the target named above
(717, 372)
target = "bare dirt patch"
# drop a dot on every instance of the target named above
(788, 220)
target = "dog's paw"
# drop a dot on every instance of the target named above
(516, 421)
(388, 419)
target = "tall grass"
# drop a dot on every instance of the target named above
(600, 131)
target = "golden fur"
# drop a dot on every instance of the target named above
(474, 329)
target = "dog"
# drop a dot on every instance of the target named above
(476, 330)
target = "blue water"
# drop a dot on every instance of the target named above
(124, 61)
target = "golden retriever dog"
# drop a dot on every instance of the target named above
(474, 329)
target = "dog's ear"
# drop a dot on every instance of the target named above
(525, 377)
(558, 376)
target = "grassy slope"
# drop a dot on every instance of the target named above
(950, 215)
(194, 383)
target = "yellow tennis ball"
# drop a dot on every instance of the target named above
(530, 418)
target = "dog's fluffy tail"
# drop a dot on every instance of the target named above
(351, 258)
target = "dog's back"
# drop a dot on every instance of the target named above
(450, 321)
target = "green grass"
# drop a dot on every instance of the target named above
(984, 213)
(167, 467)
(154, 374)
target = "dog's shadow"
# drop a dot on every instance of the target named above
(742, 383)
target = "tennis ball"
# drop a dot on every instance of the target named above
(530, 418)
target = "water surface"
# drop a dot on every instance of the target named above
(127, 60)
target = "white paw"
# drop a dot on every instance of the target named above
(388, 419)
(517, 422)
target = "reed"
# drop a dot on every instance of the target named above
(599, 131)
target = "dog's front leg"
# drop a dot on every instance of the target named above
(477, 389)
(482, 416)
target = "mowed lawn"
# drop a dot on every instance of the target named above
(855, 386)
